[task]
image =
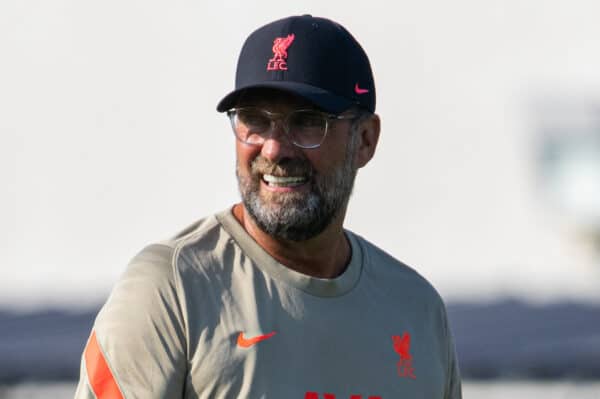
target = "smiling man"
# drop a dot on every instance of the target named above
(273, 298)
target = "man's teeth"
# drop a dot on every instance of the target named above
(284, 180)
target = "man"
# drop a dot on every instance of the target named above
(273, 298)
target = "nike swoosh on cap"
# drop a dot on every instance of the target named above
(248, 342)
(358, 90)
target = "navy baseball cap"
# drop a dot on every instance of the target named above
(314, 58)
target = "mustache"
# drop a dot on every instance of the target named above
(286, 167)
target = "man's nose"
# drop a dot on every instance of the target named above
(278, 145)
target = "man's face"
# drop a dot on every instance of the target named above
(293, 193)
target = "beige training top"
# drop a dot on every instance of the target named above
(209, 314)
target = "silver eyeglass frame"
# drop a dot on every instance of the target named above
(275, 116)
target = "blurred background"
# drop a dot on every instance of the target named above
(486, 179)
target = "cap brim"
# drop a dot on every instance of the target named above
(321, 98)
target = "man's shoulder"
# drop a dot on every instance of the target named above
(205, 235)
(197, 231)
(387, 269)
(158, 269)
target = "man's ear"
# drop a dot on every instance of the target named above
(368, 132)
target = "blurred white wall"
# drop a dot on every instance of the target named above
(109, 139)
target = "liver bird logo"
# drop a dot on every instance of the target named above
(280, 46)
(402, 346)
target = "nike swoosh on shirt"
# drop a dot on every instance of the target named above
(248, 342)
(358, 90)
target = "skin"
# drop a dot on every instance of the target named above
(327, 254)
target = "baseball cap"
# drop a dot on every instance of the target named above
(314, 58)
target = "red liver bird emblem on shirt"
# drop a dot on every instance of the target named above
(402, 348)
(280, 46)
(402, 345)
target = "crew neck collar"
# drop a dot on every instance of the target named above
(322, 287)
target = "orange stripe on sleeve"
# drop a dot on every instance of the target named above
(100, 377)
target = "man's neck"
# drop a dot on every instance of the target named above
(325, 256)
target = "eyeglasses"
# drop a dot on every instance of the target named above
(305, 128)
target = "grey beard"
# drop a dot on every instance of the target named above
(295, 219)
(299, 216)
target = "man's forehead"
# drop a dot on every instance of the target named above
(273, 98)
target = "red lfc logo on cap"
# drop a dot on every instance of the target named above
(280, 46)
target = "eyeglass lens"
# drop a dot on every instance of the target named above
(304, 127)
